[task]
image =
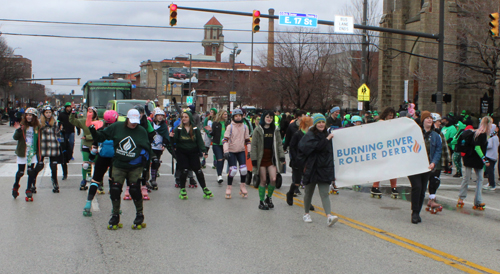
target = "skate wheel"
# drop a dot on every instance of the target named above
(433, 212)
(331, 192)
(146, 198)
(440, 208)
(427, 209)
(143, 225)
(120, 225)
(228, 196)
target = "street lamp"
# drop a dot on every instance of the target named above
(156, 83)
(191, 76)
(235, 52)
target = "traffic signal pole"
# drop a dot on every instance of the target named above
(440, 84)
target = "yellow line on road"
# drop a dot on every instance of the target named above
(421, 249)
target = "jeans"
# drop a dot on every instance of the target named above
(490, 172)
(234, 159)
(479, 184)
(70, 144)
(219, 154)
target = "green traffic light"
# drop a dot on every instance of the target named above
(256, 28)
(173, 22)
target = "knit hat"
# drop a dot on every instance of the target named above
(214, 109)
(318, 117)
(192, 108)
(425, 114)
(334, 109)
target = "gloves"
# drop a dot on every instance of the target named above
(92, 127)
(248, 156)
(485, 161)
(227, 155)
(174, 100)
(254, 163)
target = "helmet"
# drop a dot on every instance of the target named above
(140, 108)
(110, 116)
(237, 111)
(67, 104)
(159, 112)
(435, 117)
(31, 111)
(47, 107)
(356, 118)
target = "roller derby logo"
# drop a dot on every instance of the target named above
(126, 147)
(417, 147)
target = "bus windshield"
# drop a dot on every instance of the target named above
(99, 96)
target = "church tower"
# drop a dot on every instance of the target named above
(213, 41)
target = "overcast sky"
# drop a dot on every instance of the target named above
(92, 59)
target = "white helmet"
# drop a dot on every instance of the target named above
(158, 111)
(31, 111)
(435, 117)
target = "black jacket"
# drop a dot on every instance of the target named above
(316, 156)
(290, 131)
(294, 148)
(337, 123)
(64, 121)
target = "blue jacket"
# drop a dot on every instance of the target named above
(435, 147)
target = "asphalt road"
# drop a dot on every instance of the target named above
(50, 235)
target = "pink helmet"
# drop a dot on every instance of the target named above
(110, 116)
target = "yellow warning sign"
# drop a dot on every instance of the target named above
(363, 93)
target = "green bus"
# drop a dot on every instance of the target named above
(97, 93)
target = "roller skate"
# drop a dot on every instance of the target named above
(100, 189)
(154, 185)
(15, 191)
(243, 191)
(183, 194)
(263, 206)
(55, 186)
(139, 222)
(86, 209)
(207, 194)
(269, 202)
(395, 193)
(144, 190)
(433, 207)
(29, 196)
(228, 192)
(375, 193)
(83, 185)
(114, 222)
(334, 189)
(219, 180)
(481, 206)
(33, 189)
(192, 183)
(127, 194)
(460, 203)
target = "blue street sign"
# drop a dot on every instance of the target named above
(298, 19)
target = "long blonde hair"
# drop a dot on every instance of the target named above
(218, 116)
(43, 120)
(484, 127)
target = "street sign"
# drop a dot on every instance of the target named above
(343, 24)
(363, 93)
(232, 96)
(166, 102)
(189, 100)
(298, 19)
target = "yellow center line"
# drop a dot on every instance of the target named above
(421, 249)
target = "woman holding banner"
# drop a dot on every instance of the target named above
(418, 182)
(316, 156)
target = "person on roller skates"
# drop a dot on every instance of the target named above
(217, 130)
(68, 134)
(27, 151)
(132, 154)
(473, 153)
(267, 157)
(236, 137)
(161, 140)
(188, 144)
(104, 160)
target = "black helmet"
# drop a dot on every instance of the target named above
(47, 107)
(139, 108)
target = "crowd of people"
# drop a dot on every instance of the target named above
(252, 144)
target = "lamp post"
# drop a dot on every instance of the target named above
(156, 83)
(190, 76)
(235, 52)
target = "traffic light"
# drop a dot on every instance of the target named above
(173, 14)
(255, 21)
(494, 24)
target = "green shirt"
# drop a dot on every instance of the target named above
(183, 140)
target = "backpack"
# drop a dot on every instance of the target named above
(465, 143)
(106, 149)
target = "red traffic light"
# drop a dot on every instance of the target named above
(173, 7)
(256, 13)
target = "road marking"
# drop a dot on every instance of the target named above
(421, 249)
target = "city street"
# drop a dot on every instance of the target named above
(50, 235)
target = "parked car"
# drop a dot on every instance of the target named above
(179, 75)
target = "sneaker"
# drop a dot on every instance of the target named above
(331, 220)
(307, 218)
(489, 187)
(457, 175)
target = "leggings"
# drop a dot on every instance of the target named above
(86, 156)
(296, 179)
(101, 166)
(434, 181)
(155, 169)
(219, 156)
(418, 187)
(53, 168)
(189, 160)
(239, 157)
(323, 188)
(20, 173)
(457, 160)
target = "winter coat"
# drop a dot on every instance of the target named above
(218, 130)
(49, 145)
(183, 140)
(473, 159)
(64, 121)
(294, 148)
(290, 131)
(445, 155)
(20, 137)
(434, 147)
(81, 123)
(315, 154)
(163, 131)
(257, 150)
(237, 135)
(330, 122)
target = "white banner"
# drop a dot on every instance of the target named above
(378, 151)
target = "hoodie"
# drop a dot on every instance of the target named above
(183, 140)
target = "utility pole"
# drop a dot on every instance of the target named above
(440, 85)
(363, 50)
(190, 76)
(156, 83)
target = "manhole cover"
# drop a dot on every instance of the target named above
(390, 207)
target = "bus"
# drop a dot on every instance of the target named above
(97, 93)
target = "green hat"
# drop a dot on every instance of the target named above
(67, 104)
(464, 112)
(214, 109)
(375, 113)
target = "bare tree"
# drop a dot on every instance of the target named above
(9, 71)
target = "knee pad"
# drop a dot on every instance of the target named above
(155, 164)
(243, 170)
(199, 172)
(20, 174)
(85, 165)
(94, 184)
(39, 167)
(233, 170)
(135, 190)
(115, 190)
